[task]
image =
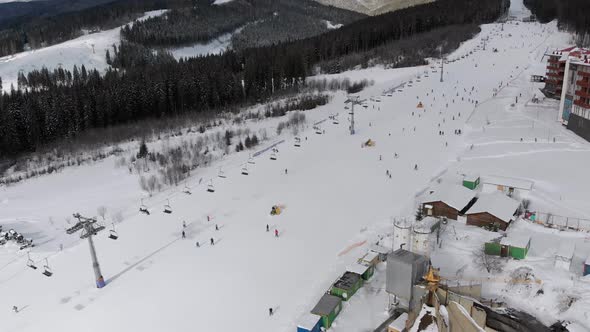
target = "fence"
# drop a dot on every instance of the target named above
(562, 222)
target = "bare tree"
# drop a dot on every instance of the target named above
(492, 264)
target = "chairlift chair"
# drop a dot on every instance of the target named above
(297, 142)
(251, 160)
(30, 262)
(273, 156)
(113, 234)
(210, 187)
(221, 174)
(46, 269)
(186, 190)
(245, 170)
(318, 130)
(167, 207)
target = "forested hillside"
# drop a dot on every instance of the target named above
(45, 30)
(572, 14)
(61, 104)
(270, 20)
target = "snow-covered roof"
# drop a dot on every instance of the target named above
(370, 256)
(453, 195)
(471, 177)
(507, 181)
(400, 322)
(566, 250)
(326, 305)
(519, 241)
(425, 225)
(357, 268)
(496, 204)
(380, 249)
(308, 321)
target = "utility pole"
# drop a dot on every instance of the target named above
(442, 65)
(89, 228)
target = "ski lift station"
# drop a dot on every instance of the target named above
(404, 270)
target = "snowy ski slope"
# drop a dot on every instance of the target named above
(336, 195)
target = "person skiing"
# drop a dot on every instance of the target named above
(197, 244)
(285, 171)
(416, 167)
(212, 241)
(270, 312)
(183, 234)
(267, 229)
(276, 232)
(183, 224)
(216, 227)
(15, 309)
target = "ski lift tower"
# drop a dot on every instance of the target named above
(442, 64)
(354, 100)
(89, 227)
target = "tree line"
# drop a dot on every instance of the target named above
(572, 14)
(49, 105)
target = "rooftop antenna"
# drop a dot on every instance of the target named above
(89, 228)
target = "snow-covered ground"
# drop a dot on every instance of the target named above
(337, 200)
(88, 50)
(215, 46)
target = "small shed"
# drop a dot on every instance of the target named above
(404, 270)
(510, 246)
(564, 255)
(366, 271)
(492, 210)
(399, 324)
(471, 181)
(309, 323)
(328, 309)
(347, 285)
(587, 266)
(370, 258)
(381, 250)
(448, 201)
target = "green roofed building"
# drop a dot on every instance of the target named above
(347, 285)
(328, 308)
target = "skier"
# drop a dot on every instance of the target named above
(197, 244)
(416, 167)
(15, 309)
(267, 228)
(216, 227)
(379, 157)
(285, 171)
(212, 241)
(276, 232)
(208, 218)
(183, 224)
(183, 234)
(270, 312)
(395, 155)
